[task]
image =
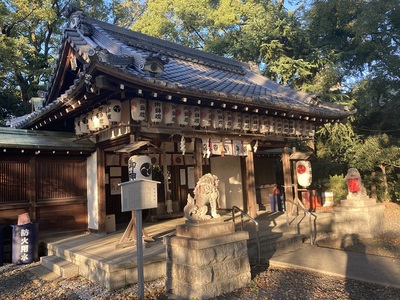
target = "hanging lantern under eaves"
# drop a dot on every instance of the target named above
(194, 116)
(138, 109)
(114, 111)
(263, 121)
(205, 117)
(254, 122)
(236, 121)
(217, 119)
(102, 117)
(168, 113)
(182, 115)
(77, 126)
(278, 126)
(271, 125)
(84, 124)
(246, 122)
(299, 127)
(227, 120)
(285, 126)
(156, 111)
(292, 127)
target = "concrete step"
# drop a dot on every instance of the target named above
(59, 266)
(273, 244)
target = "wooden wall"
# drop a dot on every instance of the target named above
(52, 189)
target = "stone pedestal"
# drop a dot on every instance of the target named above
(206, 259)
(363, 217)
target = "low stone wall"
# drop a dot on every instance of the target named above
(363, 217)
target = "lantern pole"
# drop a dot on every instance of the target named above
(139, 253)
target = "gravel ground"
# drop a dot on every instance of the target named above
(35, 282)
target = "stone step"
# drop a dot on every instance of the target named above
(273, 244)
(59, 266)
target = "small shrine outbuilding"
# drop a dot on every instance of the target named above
(192, 112)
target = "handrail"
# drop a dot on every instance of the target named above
(313, 231)
(255, 222)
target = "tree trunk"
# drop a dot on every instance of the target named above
(385, 184)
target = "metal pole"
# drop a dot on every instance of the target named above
(139, 253)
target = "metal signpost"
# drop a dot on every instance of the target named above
(137, 195)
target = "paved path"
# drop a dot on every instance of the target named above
(369, 268)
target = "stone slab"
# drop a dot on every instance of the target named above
(199, 230)
(204, 243)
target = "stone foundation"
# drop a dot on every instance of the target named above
(206, 259)
(363, 217)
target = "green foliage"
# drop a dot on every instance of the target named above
(337, 184)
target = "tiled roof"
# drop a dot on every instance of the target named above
(185, 70)
(43, 140)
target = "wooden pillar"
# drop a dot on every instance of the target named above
(249, 185)
(198, 156)
(287, 178)
(33, 188)
(101, 190)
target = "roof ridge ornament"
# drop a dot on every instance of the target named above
(77, 20)
(153, 64)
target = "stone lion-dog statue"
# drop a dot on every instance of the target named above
(206, 192)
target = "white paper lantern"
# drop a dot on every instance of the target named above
(246, 122)
(205, 117)
(271, 125)
(299, 125)
(156, 111)
(311, 131)
(278, 126)
(139, 167)
(182, 115)
(217, 119)
(194, 116)
(263, 121)
(254, 123)
(95, 119)
(90, 122)
(306, 128)
(304, 173)
(84, 124)
(138, 109)
(102, 116)
(168, 113)
(285, 126)
(236, 121)
(77, 126)
(227, 120)
(114, 111)
(292, 127)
